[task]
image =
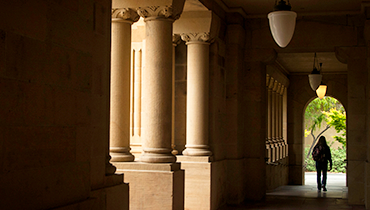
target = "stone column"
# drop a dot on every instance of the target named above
(120, 84)
(137, 93)
(282, 119)
(285, 120)
(197, 114)
(281, 122)
(357, 143)
(268, 136)
(273, 119)
(157, 83)
(277, 127)
(271, 124)
(175, 41)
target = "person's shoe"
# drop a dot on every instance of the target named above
(319, 187)
(324, 188)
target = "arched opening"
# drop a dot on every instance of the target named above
(325, 117)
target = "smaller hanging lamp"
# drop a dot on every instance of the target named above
(282, 23)
(315, 77)
(321, 91)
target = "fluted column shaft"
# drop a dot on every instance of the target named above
(157, 90)
(120, 84)
(197, 103)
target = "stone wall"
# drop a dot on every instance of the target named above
(54, 99)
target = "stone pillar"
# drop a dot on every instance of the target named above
(356, 59)
(270, 127)
(255, 101)
(285, 120)
(120, 84)
(197, 114)
(273, 119)
(278, 138)
(136, 124)
(268, 136)
(175, 41)
(157, 80)
(283, 146)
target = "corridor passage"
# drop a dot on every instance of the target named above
(305, 197)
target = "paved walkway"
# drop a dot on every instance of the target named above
(305, 197)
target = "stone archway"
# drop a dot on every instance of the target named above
(322, 130)
(299, 95)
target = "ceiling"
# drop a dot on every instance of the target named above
(293, 63)
(259, 8)
(302, 63)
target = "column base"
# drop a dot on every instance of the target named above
(157, 158)
(157, 155)
(198, 150)
(121, 154)
(122, 157)
(154, 186)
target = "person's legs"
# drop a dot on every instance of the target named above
(318, 175)
(324, 175)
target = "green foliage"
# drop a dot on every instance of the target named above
(329, 110)
(313, 114)
(337, 155)
(337, 119)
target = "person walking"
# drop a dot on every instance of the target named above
(321, 154)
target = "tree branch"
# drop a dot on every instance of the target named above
(315, 140)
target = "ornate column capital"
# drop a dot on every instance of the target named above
(124, 14)
(176, 39)
(195, 37)
(157, 12)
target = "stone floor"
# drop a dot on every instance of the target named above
(305, 197)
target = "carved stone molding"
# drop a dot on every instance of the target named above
(176, 39)
(275, 86)
(282, 90)
(190, 37)
(271, 83)
(125, 14)
(267, 80)
(109, 168)
(158, 12)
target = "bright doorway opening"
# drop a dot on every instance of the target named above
(326, 117)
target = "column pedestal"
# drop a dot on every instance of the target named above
(198, 182)
(154, 185)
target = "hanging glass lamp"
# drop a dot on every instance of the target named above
(282, 23)
(315, 77)
(321, 91)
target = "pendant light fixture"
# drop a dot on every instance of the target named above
(321, 91)
(282, 23)
(315, 77)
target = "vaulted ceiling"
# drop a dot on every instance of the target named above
(294, 62)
